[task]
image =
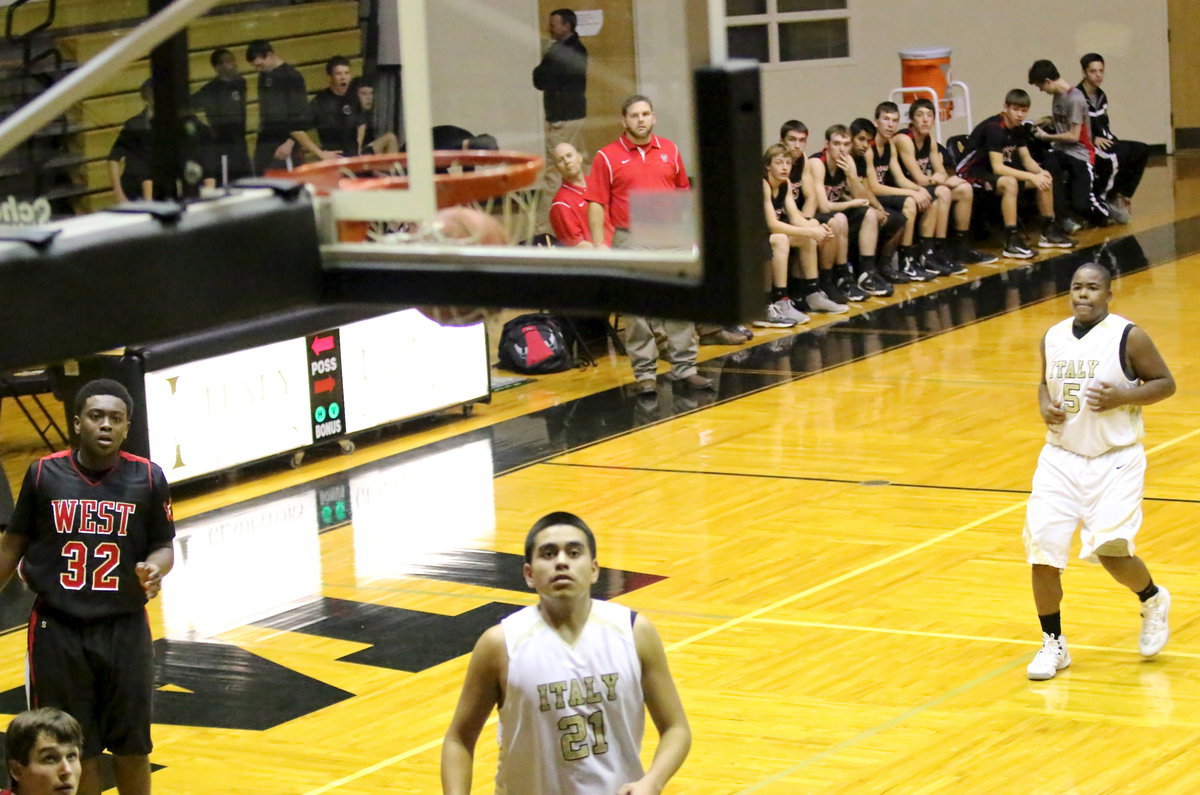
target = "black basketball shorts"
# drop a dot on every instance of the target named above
(101, 671)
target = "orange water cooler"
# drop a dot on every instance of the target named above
(928, 67)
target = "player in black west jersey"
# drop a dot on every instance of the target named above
(92, 536)
(997, 160)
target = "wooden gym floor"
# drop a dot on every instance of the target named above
(829, 545)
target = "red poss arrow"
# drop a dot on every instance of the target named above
(326, 384)
(322, 344)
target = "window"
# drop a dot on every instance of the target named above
(783, 31)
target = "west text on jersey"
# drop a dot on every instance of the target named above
(94, 516)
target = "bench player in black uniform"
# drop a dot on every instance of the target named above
(990, 163)
(921, 162)
(834, 170)
(92, 534)
(794, 135)
(872, 150)
(789, 229)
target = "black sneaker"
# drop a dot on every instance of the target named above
(933, 261)
(872, 283)
(892, 273)
(832, 292)
(1055, 237)
(1016, 247)
(849, 287)
(962, 253)
(913, 271)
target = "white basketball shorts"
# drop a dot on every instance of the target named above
(1104, 493)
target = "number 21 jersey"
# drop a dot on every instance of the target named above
(573, 715)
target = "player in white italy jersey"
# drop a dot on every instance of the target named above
(1098, 370)
(573, 677)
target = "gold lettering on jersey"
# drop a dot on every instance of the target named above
(558, 688)
(96, 517)
(576, 699)
(589, 683)
(576, 692)
(1073, 368)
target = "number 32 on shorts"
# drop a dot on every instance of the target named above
(575, 735)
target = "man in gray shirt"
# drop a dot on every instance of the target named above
(1073, 152)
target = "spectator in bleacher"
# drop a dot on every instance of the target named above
(335, 110)
(222, 100)
(283, 112)
(372, 142)
(1073, 152)
(992, 162)
(1119, 163)
(569, 211)
(129, 160)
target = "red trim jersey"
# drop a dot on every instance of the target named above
(87, 532)
(569, 216)
(623, 167)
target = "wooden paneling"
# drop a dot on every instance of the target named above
(1184, 24)
(612, 69)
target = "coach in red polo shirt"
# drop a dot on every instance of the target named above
(569, 211)
(641, 161)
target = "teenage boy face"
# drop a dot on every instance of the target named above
(53, 768)
(838, 146)
(862, 142)
(887, 122)
(1015, 115)
(226, 67)
(780, 168)
(923, 120)
(795, 141)
(1094, 73)
(102, 425)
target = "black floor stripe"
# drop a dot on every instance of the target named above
(812, 479)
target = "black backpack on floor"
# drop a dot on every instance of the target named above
(534, 344)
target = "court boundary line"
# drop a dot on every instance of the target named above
(814, 479)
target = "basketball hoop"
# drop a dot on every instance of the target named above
(480, 175)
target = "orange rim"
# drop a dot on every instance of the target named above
(518, 170)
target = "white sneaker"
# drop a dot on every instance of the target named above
(775, 317)
(789, 310)
(1050, 659)
(1154, 623)
(820, 302)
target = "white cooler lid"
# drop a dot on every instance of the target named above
(925, 52)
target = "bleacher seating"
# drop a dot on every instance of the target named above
(304, 34)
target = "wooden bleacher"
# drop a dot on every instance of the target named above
(305, 35)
